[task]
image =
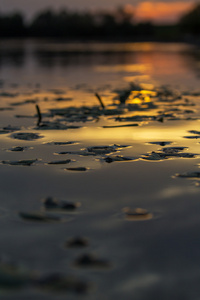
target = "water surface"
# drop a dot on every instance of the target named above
(139, 256)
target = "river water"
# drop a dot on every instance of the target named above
(129, 253)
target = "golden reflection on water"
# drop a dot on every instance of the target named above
(124, 68)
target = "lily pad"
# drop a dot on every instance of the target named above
(188, 175)
(78, 169)
(60, 162)
(110, 159)
(27, 136)
(55, 204)
(39, 217)
(19, 162)
(162, 143)
(137, 214)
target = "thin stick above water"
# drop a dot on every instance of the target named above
(39, 115)
(100, 100)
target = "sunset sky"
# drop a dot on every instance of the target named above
(160, 11)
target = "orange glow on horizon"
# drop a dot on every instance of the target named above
(161, 12)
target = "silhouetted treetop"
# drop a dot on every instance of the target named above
(190, 22)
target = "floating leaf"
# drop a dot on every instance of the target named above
(188, 175)
(55, 204)
(39, 216)
(60, 162)
(79, 169)
(138, 214)
(27, 136)
(26, 162)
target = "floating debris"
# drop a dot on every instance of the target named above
(10, 128)
(172, 150)
(81, 153)
(89, 260)
(106, 149)
(118, 126)
(5, 108)
(28, 101)
(18, 149)
(110, 159)
(52, 203)
(39, 216)
(154, 156)
(162, 143)
(27, 136)
(137, 214)
(77, 242)
(188, 175)
(192, 137)
(60, 162)
(61, 283)
(194, 131)
(55, 126)
(168, 152)
(79, 169)
(62, 143)
(26, 162)
(59, 99)
(9, 95)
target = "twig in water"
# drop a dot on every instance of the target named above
(39, 115)
(100, 100)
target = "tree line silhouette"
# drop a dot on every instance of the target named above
(100, 25)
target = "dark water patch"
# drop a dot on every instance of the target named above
(77, 242)
(58, 283)
(14, 276)
(92, 261)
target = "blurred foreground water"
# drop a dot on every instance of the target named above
(98, 201)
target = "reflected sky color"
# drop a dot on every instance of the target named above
(157, 11)
(155, 258)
